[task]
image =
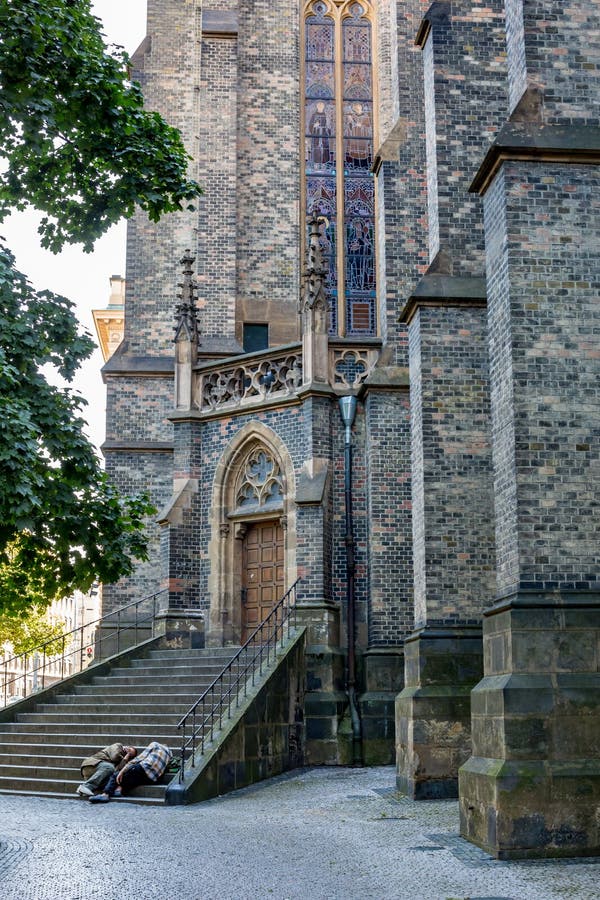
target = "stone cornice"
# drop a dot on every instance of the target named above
(147, 366)
(386, 378)
(527, 598)
(137, 447)
(458, 630)
(221, 23)
(570, 144)
(211, 352)
(310, 489)
(316, 389)
(227, 412)
(389, 150)
(445, 290)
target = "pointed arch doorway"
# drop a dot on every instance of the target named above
(253, 544)
(263, 575)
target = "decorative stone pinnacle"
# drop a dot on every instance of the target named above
(315, 271)
(186, 324)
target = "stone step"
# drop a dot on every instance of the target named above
(216, 657)
(136, 693)
(41, 752)
(109, 718)
(63, 795)
(168, 671)
(61, 756)
(100, 725)
(38, 769)
(100, 736)
(121, 695)
(161, 705)
(52, 755)
(67, 760)
(69, 787)
(152, 681)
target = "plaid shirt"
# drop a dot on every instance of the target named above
(153, 760)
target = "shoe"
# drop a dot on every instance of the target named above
(118, 792)
(99, 798)
(84, 791)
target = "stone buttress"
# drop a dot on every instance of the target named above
(451, 457)
(229, 75)
(532, 786)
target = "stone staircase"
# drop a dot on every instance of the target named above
(138, 702)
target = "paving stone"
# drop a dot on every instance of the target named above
(323, 834)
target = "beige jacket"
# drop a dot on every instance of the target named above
(113, 754)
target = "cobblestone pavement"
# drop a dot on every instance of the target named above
(318, 834)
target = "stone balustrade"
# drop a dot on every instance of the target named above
(350, 365)
(275, 374)
(251, 380)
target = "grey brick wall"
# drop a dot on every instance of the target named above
(465, 105)
(137, 409)
(451, 465)
(543, 263)
(433, 207)
(401, 184)
(386, 44)
(218, 173)
(562, 51)
(135, 473)
(389, 510)
(515, 42)
(168, 67)
(269, 152)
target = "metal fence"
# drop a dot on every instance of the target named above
(27, 673)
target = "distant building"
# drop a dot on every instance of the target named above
(109, 322)
(24, 674)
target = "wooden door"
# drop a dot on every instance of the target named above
(262, 573)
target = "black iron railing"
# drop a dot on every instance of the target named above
(27, 673)
(206, 716)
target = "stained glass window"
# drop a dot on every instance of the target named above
(339, 156)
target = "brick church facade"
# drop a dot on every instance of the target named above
(401, 205)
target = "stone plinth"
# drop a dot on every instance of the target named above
(532, 786)
(325, 698)
(433, 728)
(382, 676)
(180, 629)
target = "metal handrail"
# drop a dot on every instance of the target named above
(217, 700)
(38, 671)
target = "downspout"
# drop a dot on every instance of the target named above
(348, 412)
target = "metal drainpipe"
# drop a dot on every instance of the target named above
(348, 412)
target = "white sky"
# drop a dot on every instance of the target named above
(83, 277)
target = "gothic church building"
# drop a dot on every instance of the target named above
(401, 206)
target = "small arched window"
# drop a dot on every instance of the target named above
(338, 151)
(260, 484)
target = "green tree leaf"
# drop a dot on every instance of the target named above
(75, 139)
(62, 523)
(26, 632)
(77, 144)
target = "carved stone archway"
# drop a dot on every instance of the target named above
(254, 481)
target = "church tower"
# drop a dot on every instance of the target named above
(233, 423)
(366, 365)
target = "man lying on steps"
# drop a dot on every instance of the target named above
(97, 768)
(144, 769)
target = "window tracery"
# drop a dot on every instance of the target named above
(338, 143)
(261, 481)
